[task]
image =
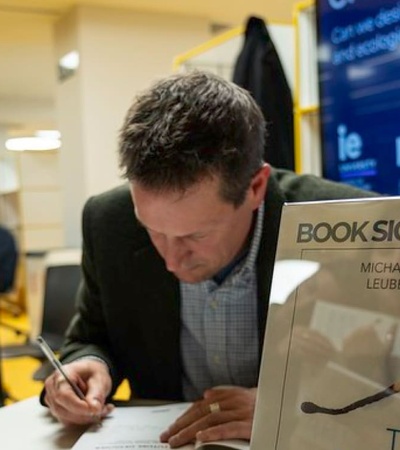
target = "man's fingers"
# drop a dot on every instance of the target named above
(222, 414)
(230, 430)
(76, 411)
(198, 411)
(96, 395)
(97, 388)
(67, 407)
(209, 421)
(70, 415)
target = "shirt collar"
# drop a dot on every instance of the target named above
(246, 259)
(255, 242)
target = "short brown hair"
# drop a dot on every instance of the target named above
(190, 126)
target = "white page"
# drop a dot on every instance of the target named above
(137, 427)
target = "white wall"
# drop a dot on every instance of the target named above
(121, 53)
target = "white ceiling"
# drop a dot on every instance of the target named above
(26, 60)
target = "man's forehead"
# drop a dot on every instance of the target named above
(174, 213)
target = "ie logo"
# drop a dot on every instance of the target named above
(349, 144)
(339, 4)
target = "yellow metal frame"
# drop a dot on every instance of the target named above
(299, 112)
(208, 45)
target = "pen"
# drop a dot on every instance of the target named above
(58, 366)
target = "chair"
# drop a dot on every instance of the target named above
(62, 278)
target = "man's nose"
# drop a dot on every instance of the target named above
(174, 253)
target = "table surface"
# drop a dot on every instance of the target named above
(28, 425)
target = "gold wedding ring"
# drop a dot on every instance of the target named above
(214, 407)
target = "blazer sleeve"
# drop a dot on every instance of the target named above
(87, 333)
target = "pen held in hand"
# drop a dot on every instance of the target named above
(48, 352)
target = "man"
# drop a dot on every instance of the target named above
(177, 267)
(8, 259)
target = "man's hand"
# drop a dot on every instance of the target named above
(230, 416)
(93, 379)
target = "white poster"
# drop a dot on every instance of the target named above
(330, 375)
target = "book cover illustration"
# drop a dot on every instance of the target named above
(330, 374)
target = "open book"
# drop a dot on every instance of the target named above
(139, 428)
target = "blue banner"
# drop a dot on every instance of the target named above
(359, 83)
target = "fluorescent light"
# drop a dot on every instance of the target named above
(32, 143)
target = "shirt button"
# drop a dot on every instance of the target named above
(217, 359)
(214, 304)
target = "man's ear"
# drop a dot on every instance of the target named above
(258, 185)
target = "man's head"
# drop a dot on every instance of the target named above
(192, 126)
(191, 147)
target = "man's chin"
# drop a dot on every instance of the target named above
(191, 277)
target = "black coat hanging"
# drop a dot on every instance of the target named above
(259, 70)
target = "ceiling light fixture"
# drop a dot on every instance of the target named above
(68, 65)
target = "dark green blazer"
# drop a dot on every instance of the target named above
(129, 304)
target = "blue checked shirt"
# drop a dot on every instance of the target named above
(219, 337)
